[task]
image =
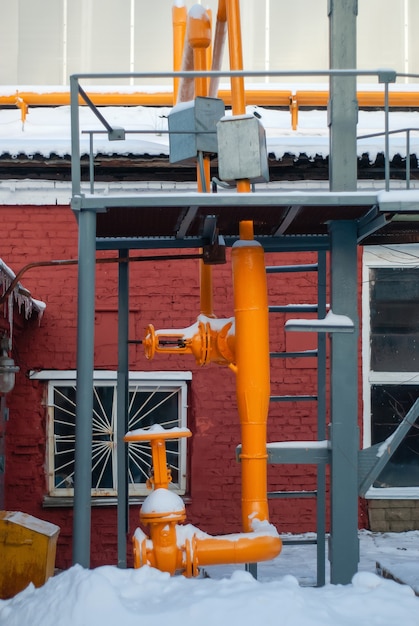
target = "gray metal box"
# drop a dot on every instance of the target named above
(193, 127)
(242, 149)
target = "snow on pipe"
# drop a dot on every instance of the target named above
(242, 343)
(259, 97)
(197, 40)
(173, 546)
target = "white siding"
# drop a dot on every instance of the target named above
(44, 41)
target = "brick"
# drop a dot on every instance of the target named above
(400, 504)
(402, 526)
(377, 515)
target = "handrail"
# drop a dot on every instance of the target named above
(395, 132)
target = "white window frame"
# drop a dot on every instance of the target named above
(153, 381)
(402, 255)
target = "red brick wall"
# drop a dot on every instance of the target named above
(167, 295)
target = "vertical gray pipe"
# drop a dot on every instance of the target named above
(122, 407)
(84, 396)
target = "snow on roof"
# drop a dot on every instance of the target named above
(46, 131)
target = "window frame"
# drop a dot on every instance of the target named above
(397, 256)
(167, 380)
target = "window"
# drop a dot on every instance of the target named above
(153, 398)
(391, 361)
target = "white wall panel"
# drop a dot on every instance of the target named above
(40, 44)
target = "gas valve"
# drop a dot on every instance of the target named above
(209, 340)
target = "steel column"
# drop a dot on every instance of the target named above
(122, 408)
(321, 422)
(84, 397)
(343, 106)
(344, 435)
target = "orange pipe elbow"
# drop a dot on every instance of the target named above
(245, 548)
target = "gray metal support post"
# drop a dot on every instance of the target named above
(321, 421)
(122, 408)
(344, 435)
(84, 398)
(343, 106)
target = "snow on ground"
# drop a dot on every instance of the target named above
(108, 596)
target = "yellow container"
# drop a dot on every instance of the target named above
(27, 552)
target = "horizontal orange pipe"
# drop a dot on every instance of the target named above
(365, 98)
(239, 549)
(261, 97)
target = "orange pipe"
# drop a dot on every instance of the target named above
(199, 39)
(236, 63)
(164, 553)
(262, 97)
(207, 341)
(163, 510)
(253, 377)
(237, 549)
(179, 15)
(236, 56)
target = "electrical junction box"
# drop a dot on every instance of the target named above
(242, 149)
(193, 128)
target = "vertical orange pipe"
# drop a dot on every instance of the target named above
(252, 360)
(179, 29)
(199, 39)
(238, 99)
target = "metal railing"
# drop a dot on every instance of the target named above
(386, 77)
